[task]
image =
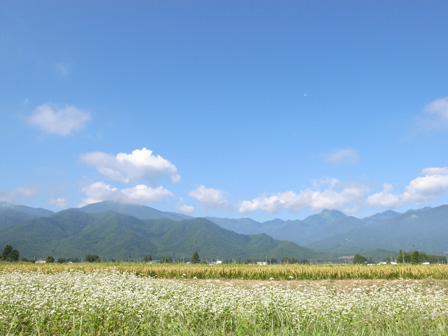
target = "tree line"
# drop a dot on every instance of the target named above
(406, 257)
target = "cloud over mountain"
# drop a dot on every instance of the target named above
(424, 188)
(211, 198)
(433, 183)
(336, 196)
(140, 165)
(140, 194)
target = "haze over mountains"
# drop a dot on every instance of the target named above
(124, 231)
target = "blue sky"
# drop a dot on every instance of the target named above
(262, 109)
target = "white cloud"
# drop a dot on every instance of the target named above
(336, 196)
(185, 208)
(140, 194)
(141, 164)
(422, 189)
(11, 195)
(341, 155)
(385, 199)
(60, 121)
(211, 198)
(59, 202)
(438, 108)
(181, 206)
(435, 116)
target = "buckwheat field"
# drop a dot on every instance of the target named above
(112, 301)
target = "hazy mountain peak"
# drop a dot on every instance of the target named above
(381, 216)
(134, 210)
(331, 213)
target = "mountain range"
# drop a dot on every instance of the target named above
(124, 231)
(334, 232)
(109, 234)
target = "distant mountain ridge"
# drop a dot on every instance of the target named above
(333, 231)
(330, 230)
(76, 233)
(425, 229)
(37, 212)
(137, 211)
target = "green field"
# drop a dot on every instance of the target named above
(136, 299)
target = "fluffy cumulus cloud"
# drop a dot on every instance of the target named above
(185, 208)
(433, 183)
(342, 155)
(181, 206)
(385, 198)
(336, 196)
(140, 165)
(211, 198)
(140, 194)
(59, 121)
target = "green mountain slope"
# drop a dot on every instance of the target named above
(10, 217)
(137, 211)
(74, 233)
(239, 225)
(35, 212)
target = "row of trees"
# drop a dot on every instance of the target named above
(406, 257)
(416, 257)
(411, 257)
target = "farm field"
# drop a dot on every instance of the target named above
(247, 272)
(86, 299)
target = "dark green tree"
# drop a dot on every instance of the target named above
(49, 260)
(359, 259)
(166, 260)
(147, 258)
(195, 258)
(92, 258)
(9, 254)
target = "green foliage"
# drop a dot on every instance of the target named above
(195, 258)
(49, 260)
(166, 260)
(9, 254)
(147, 258)
(416, 257)
(92, 258)
(359, 259)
